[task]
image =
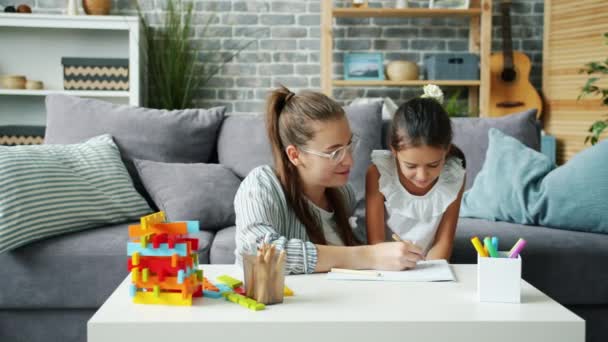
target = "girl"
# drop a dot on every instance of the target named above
(302, 204)
(414, 190)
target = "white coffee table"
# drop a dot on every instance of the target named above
(330, 310)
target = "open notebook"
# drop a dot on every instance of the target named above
(432, 270)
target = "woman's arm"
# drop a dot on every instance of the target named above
(374, 207)
(258, 212)
(444, 238)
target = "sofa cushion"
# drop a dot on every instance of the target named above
(243, 144)
(568, 266)
(471, 136)
(534, 191)
(71, 271)
(49, 190)
(223, 247)
(193, 192)
(178, 136)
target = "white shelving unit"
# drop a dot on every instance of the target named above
(33, 45)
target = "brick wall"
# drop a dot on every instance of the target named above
(286, 40)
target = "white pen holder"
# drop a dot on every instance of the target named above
(499, 279)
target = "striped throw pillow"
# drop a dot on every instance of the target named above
(48, 190)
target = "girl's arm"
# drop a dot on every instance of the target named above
(444, 238)
(374, 207)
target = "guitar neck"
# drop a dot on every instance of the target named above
(507, 42)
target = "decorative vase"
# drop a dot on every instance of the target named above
(401, 4)
(97, 7)
(72, 8)
(402, 71)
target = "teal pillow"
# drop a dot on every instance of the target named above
(519, 185)
(55, 189)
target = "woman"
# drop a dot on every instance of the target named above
(302, 204)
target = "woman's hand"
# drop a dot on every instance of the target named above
(395, 256)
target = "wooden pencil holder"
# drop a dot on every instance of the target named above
(265, 276)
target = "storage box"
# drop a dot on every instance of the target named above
(499, 279)
(110, 74)
(452, 66)
(21, 135)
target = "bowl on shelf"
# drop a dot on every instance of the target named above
(13, 81)
(34, 85)
(402, 71)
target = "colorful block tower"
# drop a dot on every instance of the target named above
(163, 261)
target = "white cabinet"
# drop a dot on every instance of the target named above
(32, 45)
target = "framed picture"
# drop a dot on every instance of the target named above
(452, 4)
(363, 66)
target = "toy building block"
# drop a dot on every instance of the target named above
(244, 301)
(162, 263)
(164, 270)
(212, 294)
(177, 228)
(228, 280)
(239, 290)
(164, 298)
(168, 283)
(148, 220)
(182, 249)
(208, 286)
(287, 292)
(223, 288)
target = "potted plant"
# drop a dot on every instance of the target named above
(175, 74)
(591, 88)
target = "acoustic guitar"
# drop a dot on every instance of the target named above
(510, 87)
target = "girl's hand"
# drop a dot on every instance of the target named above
(395, 256)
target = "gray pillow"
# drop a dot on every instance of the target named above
(471, 136)
(59, 189)
(365, 122)
(178, 136)
(197, 192)
(242, 144)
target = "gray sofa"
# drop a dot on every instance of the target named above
(52, 287)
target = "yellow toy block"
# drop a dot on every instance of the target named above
(135, 259)
(164, 298)
(144, 274)
(143, 241)
(287, 292)
(134, 274)
(148, 220)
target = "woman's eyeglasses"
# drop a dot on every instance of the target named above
(337, 155)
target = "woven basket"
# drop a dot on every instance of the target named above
(110, 74)
(21, 135)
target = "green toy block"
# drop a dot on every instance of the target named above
(228, 280)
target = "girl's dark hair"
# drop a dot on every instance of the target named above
(288, 121)
(423, 121)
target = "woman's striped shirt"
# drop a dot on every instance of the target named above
(263, 215)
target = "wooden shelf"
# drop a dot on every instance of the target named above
(478, 16)
(84, 93)
(60, 21)
(404, 12)
(374, 83)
